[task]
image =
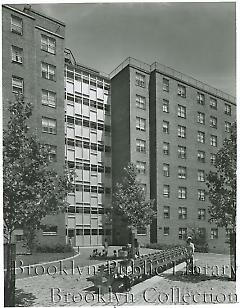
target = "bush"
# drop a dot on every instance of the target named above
(59, 248)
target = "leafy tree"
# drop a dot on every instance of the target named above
(130, 201)
(222, 186)
(31, 188)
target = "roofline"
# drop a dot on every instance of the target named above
(48, 17)
(18, 11)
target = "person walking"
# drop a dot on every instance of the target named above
(105, 247)
(190, 261)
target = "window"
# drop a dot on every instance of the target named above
(165, 106)
(141, 146)
(165, 231)
(17, 84)
(213, 140)
(201, 176)
(48, 44)
(49, 125)
(201, 156)
(227, 127)
(228, 109)
(49, 230)
(214, 233)
(182, 193)
(182, 213)
(140, 102)
(201, 118)
(140, 124)
(182, 172)
(213, 103)
(140, 80)
(166, 191)
(181, 111)
(200, 98)
(141, 231)
(166, 148)
(141, 167)
(182, 152)
(166, 170)
(181, 90)
(19, 237)
(212, 158)
(201, 137)
(182, 233)
(166, 212)
(48, 98)
(165, 85)
(201, 195)
(166, 127)
(17, 54)
(181, 131)
(201, 214)
(53, 153)
(213, 122)
(48, 71)
(16, 25)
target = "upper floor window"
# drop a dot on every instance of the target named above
(182, 172)
(140, 102)
(200, 98)
(181, 131)
(17, 54)
(166, 191)
(201, 175)
(16, 25)
(48, 44)
(140, 80)
(165, 106)
(201, 214)
(182, 233)
(166, 212)
(141, 146)
(213, 122)
(213, 140)
(48, 71)
(214, 233)
(228, 109)
(201, 156)
(181, 111)
(166, 170)
(52, 153)
(213, 103)
(181, 90)
(201, 137)
(166, 148)
(182, 212)
(49, 125)
(182, 193)
(141, 167)
(182, 152)
(165, 85)
(201, 195)
(140, 124)
(212, 158)
(227, 127)
(48, 98)
(166, 231)
(17, 84)
(166, 127)
(201, 117)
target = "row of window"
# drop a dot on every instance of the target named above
(87, 102)
(182, 172)
(89, 188)
(87, 145)
(87, 166)
(182, 193)
(87, 231)
(182, 233)
(86, 210)
(86, 123)
(182, 213)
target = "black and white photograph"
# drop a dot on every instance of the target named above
(119, 153)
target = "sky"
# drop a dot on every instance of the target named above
(197, 39)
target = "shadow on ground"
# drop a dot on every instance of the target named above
(181, 276)
(23, 299)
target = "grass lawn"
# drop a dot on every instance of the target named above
(36, 258)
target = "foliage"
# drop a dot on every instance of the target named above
(222, 184)
(54, 249)
(130, 200)
(31, 188)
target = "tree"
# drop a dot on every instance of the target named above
(222, 186)
(130, 201)
(31, 188)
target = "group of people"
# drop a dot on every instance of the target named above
(104, 252)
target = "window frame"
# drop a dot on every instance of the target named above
(22, 84)
(15, 28)
(47, 44)
(47, 71)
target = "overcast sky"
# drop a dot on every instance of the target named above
(197, 39)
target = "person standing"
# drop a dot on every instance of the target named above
(136, 247)
(190, 261)
(105, 247)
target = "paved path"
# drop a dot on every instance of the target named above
(75, 290)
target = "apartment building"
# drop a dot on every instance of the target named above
(88, 152)
(171, 126)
